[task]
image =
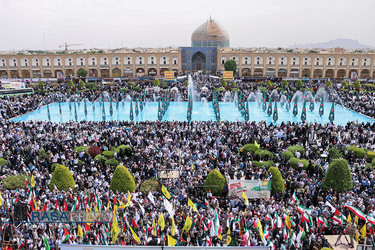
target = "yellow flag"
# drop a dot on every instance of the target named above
(1, 200)
(171, 241)
(363, 232)
(256, 144)
(165, 192)
(259, 225)
(245, 197)
(32, 181)
(135, 236)
(188, 223)
(35, 205)
(115, 229)
(245, 212)
(288, 222)
(229, 239)
(192, 166)
(161, 221)
(153, 226)
(192, 205)
(356, 220)
(349, 219)
(357, 236)
(173, 227)
(79, 232)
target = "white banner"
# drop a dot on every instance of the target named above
(252, 188)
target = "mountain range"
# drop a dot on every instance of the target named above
(340, 42)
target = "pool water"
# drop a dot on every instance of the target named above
(177, 111)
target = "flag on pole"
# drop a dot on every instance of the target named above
(79, 232)
(171, 241)
(161, 221)
(295, 198)
(135, 236)
(187, 225)
(246, 199)
(46, 243)
(173, 227)
(165, 192)
(357, 212)
(288, 223)
(192, 205)
(349, 219)
(303, 209)
(153, 226)
(115, 229)
(363, 231)
(229, 239)
(32, 181)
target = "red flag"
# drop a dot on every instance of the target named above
(65, 206)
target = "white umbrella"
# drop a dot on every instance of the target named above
(204, 89)
(174, 89)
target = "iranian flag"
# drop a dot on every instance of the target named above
(279, 222)
(303, 209)
(337, 217)
(300, 235)
(357, 212)
(98, 201)
(266, 232)
(307, 218)
(295, 198)
(30, 196)
(370, 219)
(268, 217)
(322, 221)
(285, 234)
(75, 205)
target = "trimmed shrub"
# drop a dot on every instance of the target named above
(80, 163)
(15, 181)
(298, 148)
(91, 85)
(373, 162)
(111, 162)
(99, 158)
(108, 154)
(3, 162)
(257, 163)
(263, 153)
(124, 90)
(249, 148)
(339, 176)
(215, 182)
(42, 154)
(94, 151)
(287, 155)
(149, 185)
(370, 155)
(268, 164)
(126, 149)
(80, 149)
(358, 152)
(136, 88)
(334, 153)
(53, 166)
(277, 182)
(62, 178)
(293, 162)
(122, 180)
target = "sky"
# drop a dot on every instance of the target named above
(109, 24)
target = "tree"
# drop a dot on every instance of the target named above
(338, 176)
(249, 148)
(62, 178)
(156, 83)
(277, 181)
(215, 182)
(230, 65)
(357, 85)
(285, 84)
(81, 84)
(334, 153)
(299, 83)
(82, 72)
(344, 84)
(224, 83)
(70, 84)
(12, 182)
(40, 85)
(149, 185)
(94, 151)
(122, 180)
(329, 84)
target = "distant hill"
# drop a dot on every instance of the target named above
(341, 42)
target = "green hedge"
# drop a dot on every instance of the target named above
(3, 162)
(373, 162)
(107, 154)
(265, 164)
(80, 149)
(293, 162)
(215, 182)
(358, 152)
(277, 182)
(15, 182)
(111, 162)
(62, 178)
(287, 155)
(249, 148)
(42, 154)
(371, 154)
(99, 158)
(298, 148)
(338, 176)
(122, 180)
(150, 185)
(263, 153)
(334, 153)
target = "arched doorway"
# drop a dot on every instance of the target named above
(282, 73)
(14, 74)
(306, 73)
(69, 72)
(365, 73)
(3, 74)
(25, 74)
(341, 73)
(140, 71)
(353, 73)
(152, 72)
(373, 75)
(128, 72)
(116, 72)
(59, 74)
(162, 71)
(198, 61)
(294, 73)
(318, 73)
(37, 74)
(246, 72)
(47, 73)
(258, 72)
(93, 73)
(104, 72)
(330, 73)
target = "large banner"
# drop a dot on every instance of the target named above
(252, 188)
(169, 75)
(228, 75)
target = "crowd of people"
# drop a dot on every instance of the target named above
(193, 150)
